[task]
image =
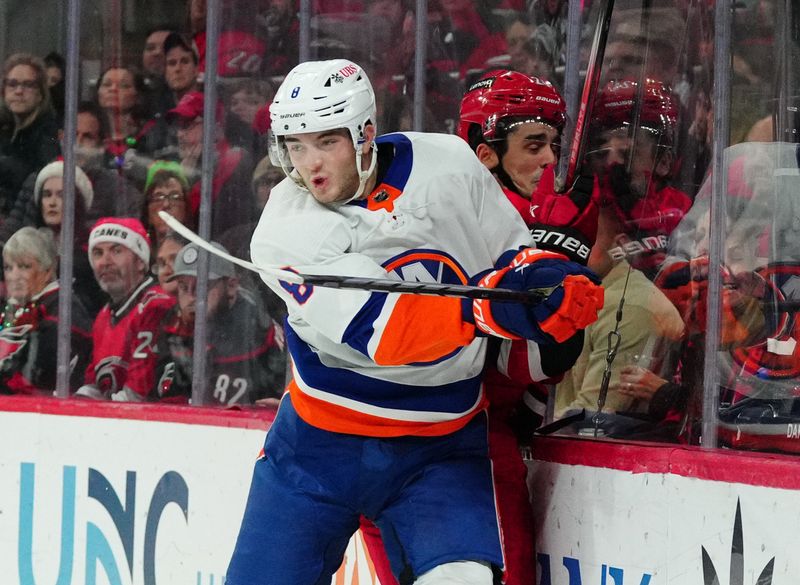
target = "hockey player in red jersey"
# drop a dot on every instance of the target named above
(124, 332)
(514, 122)
(385, 414)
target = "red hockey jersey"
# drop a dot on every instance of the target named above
(124, 357)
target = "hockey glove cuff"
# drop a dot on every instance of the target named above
(573, 304)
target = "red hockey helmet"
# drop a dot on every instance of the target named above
(501, 93)
(614, 107)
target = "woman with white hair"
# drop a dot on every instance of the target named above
(29, 319)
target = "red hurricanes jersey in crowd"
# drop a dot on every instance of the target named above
(124, 341)
(29, 347)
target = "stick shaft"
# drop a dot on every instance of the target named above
(531, 296)
(593, 70)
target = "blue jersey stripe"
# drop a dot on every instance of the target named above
(399, 171)
(360, 329)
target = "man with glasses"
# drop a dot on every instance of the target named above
(166, 189)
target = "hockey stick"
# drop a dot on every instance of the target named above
(577, 148)
(531, 296)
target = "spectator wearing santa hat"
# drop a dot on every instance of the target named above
(123, 361)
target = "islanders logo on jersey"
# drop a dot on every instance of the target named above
(426, 266)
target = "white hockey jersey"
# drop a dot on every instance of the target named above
(386, 364)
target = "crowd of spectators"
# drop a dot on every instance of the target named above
(139, 146)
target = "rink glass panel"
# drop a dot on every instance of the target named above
(666, 241)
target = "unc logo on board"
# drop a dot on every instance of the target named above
(126, 508)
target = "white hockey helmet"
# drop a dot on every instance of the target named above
(317, 96)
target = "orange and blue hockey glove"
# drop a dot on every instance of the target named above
(572, 305)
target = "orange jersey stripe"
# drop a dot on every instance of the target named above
(338, 419)
(422, 329)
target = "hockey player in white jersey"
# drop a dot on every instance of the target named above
(385, 415)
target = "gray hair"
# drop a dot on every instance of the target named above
(29, 241)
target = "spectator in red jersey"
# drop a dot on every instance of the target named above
(124, 333)
(29, 321)
(244, 42)
(246, 365)
(232, 204)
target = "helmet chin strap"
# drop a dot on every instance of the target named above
(363, 176)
